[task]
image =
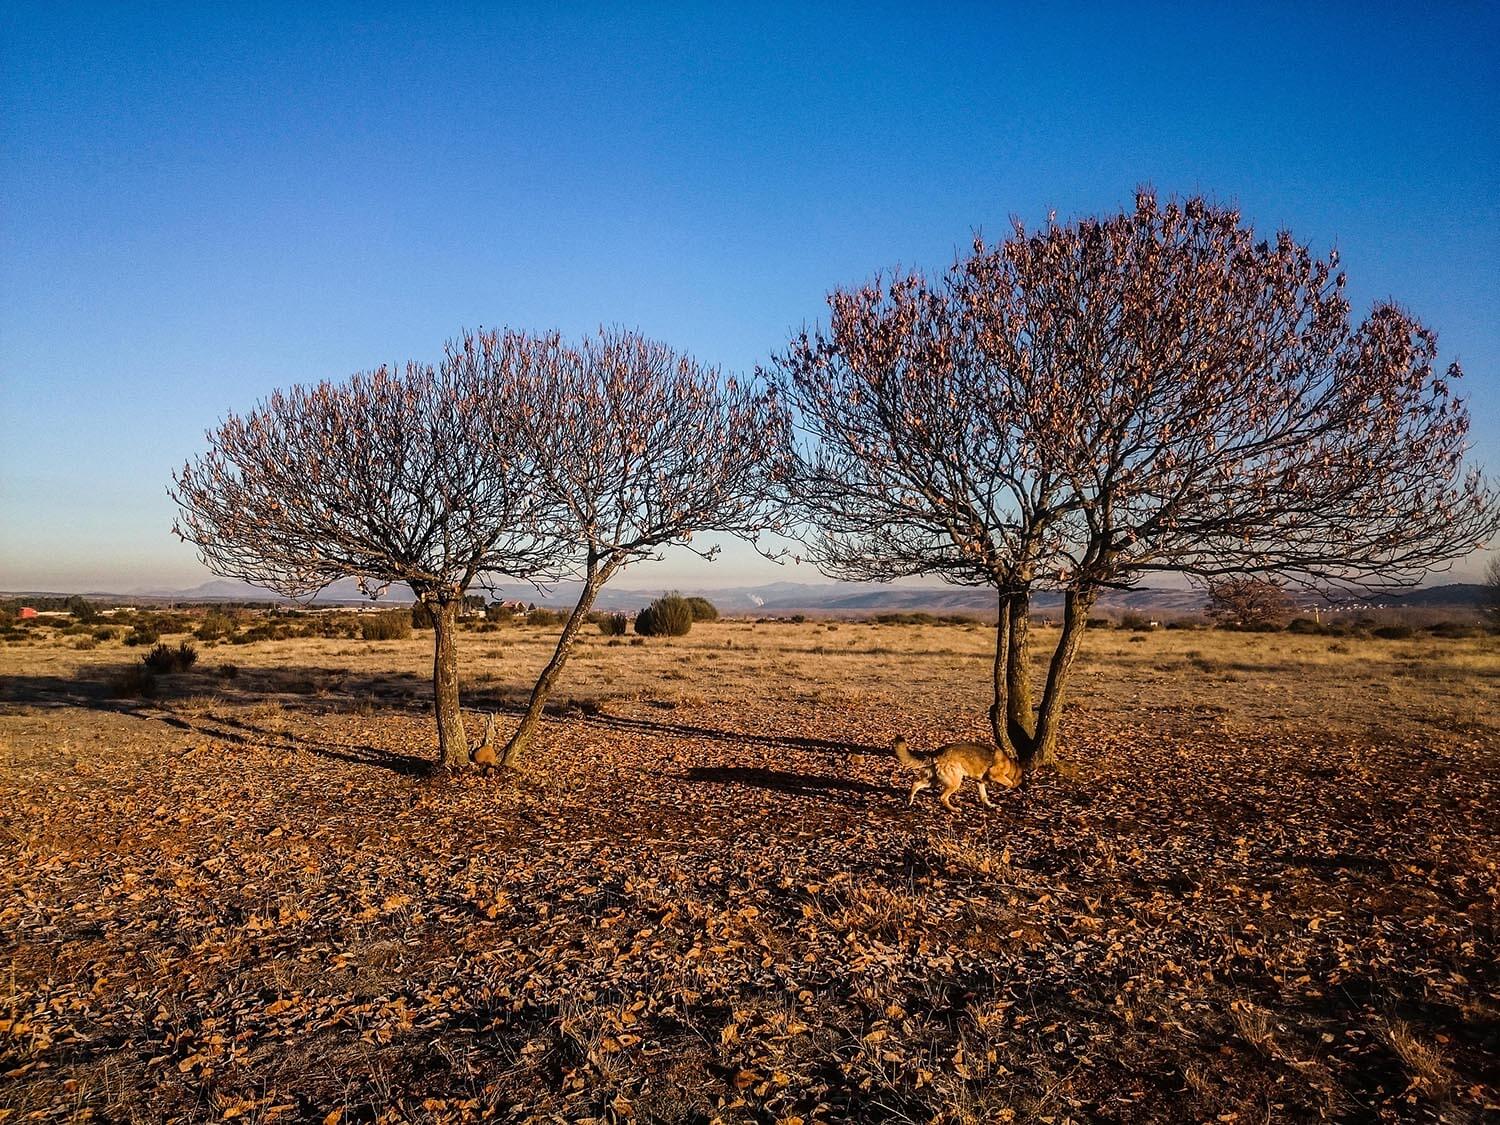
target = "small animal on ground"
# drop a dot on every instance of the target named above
(483, 755)
(952, 763)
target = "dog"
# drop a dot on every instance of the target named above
(483, 756)
(952, 763)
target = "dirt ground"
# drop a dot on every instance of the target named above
(1264, 888)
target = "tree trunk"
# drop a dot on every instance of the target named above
(1075, 618)
(516, 747)
(1021, 715)
(453, 743)
(1000, 708)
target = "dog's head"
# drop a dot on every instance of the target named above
(1004, 770)
(898, 743)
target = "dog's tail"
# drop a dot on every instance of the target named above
(905, 756)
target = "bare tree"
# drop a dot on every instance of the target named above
(1248, 603)
(915, 461)
(1158, 390)
(639, 447)
(394, 476)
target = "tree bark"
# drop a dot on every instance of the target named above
(1021, 715)
(1075, 618)
(1000, 708)
(453, 743)
(515, 749)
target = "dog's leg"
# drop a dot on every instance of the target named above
(984, 797)
(951, 782)
(921, 784)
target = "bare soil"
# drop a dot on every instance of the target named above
(1264, 888)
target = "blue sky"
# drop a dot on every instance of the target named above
(200, 204)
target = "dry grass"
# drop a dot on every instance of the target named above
(1265, 889)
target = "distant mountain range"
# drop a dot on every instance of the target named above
(837, 598)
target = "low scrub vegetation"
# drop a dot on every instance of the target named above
(703, 609)
(613, 624)
(389, 625)
(670, 615)
(164, 659)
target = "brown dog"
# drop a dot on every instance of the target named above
(483, 755)
(952, 763)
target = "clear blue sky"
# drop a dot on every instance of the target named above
(201, 204)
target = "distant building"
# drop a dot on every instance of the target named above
(26, 611)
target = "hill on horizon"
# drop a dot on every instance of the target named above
(835, 598)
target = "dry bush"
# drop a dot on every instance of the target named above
(388, 625)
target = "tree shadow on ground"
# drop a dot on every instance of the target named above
(783, 781)
(96, 692)
(340, 691)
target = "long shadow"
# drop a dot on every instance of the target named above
(780, 781)
(246, 734)
(477, 702)
(336, 691)
(95, 694)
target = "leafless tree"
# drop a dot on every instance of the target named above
(1092, 402)
(1239, 602)
(915, 461)
(394, 476)
(638, 447)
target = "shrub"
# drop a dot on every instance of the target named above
(105, 634)
(1394, 632)
(215, 627)
(703, 609)
(142, 635)
(164, 658)
(1134, 622)
(668, 616)
(391, 625)
(229, 671)
(613, 624)
(1305, 625)
(1455, 630)
(160, 623)
(82, 610)
(544, 617)
(266, 630)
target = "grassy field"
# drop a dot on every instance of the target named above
(1263, 888)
